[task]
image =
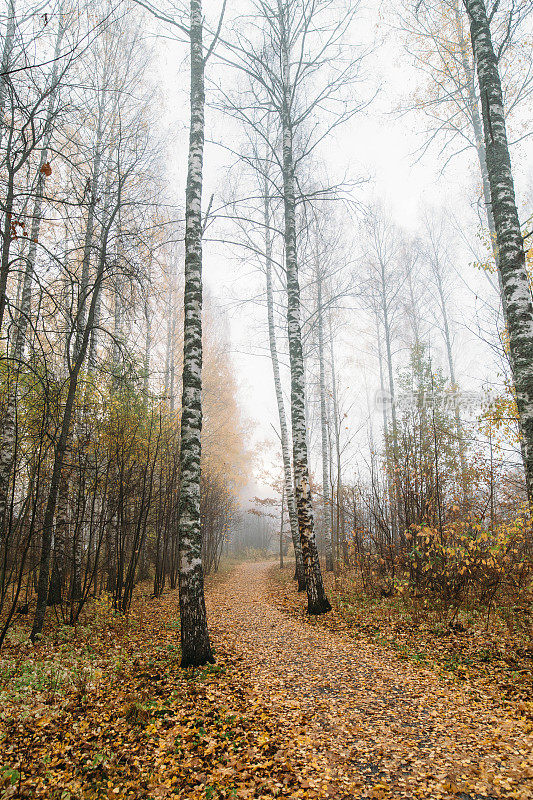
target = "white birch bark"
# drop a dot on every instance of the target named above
(147, 345)
(390, 509)
(451, 368)
(395, 506)
(281, 528)
(324, 424)
(477, 128)
(89, 234)
(317, 602)
(518, 306)
(284, 435)
(62, 442)
(61, 530)
(7, 54)
(195, 645)
(7, 438)
(388, 353)
(340, 533)
(93, 344)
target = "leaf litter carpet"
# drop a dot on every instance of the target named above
(375, 726)
(291, 709)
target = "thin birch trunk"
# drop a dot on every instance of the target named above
(172, 366)
(147, 346)
(57, 577)
(7, 237)
(7, 439)
(7, 52)
(167, 360)
(451, 368)
(93, 344)
(341, 540)
(324, 425)
(118, 335)
(518, 306)
(281, 529)
(390, 489)
(477, 127)
(60, 449)
(92, 187)
(25, 301)
(284, 434)
(390, 368)
(394, 417)
(195, 645)
(317, 602)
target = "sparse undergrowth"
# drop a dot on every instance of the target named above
(494, 658)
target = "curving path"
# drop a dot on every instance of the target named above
(380, 727)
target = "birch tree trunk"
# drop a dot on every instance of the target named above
(390, 368)
(172, 364)
(451, 368)
(168, 345)
(92, 188)
(281, 528)
(7, 439)
(62, 442)
(55, 588)
(317, 602)
(284, 435)
(324, 426)
(147, 346)
(341, 539)
(395, 506)
(518, 306)
(477, 127)
(7, 52)
(25, 302)
(93, 344)
(390, 507)
(195, 645)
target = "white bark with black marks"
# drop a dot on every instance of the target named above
(7, 55)
(195, 645)
(518, 306)
(317, 602)
(477, 127)
(324, 426)
(64, 431)
(7, 439)
(284, 434)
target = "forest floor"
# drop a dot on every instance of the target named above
(294, 707)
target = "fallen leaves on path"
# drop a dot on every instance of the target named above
(129, 723)
(490, 658)
(290, 709)
(388, 728)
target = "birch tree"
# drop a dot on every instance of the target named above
(284, 435)
(438, 41)
(61, 446)
(109, 222)
(384, 289)
(195, 645)
(518, 305)
(324, 418)
(297, 73)
(438, 261)
(23, 312)
(94, 465)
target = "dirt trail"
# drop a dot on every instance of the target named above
(387, 729)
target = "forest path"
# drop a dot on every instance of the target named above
(385, 728)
